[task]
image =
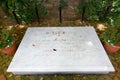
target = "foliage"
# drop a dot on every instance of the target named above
(24, 9)
(113, 17)
(93, 8)
(101, 10)
(62, 3)
(112, 35)
(6, 39)
(6, 36)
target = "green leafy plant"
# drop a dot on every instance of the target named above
(6, 39)
(24, 10)
(112, 35)
(6, 35)
(93, 9)
(62, 4)
(114, 14)
(100, 10)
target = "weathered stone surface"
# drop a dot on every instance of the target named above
(60, 50)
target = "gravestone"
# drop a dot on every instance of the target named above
(66, 50)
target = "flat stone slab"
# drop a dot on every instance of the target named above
(54, 50)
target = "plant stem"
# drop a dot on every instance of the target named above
(83, 10)
(15, 17)
(36, 10)
(106, 11)
(60, 14)
(6, 3)
(83, 13)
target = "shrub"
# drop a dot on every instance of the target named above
(101, 10)
(24, 10)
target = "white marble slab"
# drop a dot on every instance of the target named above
(50, 50)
